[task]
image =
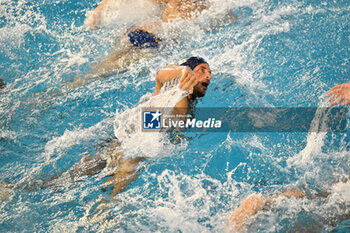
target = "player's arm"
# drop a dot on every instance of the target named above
(239, 218)
(181, 108)
(181, 9)
(187, 81)
(93, 18)
(171, 11)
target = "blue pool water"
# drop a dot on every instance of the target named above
(275, 54)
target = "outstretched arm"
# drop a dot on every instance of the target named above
(340, 93)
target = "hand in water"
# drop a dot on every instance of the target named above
(340, 93)
(188, 80)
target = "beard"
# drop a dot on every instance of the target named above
(199, 90)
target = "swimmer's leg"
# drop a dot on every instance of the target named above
(5, 190)
(119, 60)
(110, 65)
(87, 166)
(92, 165)
(123, 170)
(114, 63)
(294, 193)
(126, 172)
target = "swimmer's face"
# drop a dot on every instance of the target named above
(203, 75)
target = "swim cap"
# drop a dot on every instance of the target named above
(192, 62)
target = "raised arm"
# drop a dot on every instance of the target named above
(187, 81)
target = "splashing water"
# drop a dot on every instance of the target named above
(128, 127)
(270, 53)
(118, 13)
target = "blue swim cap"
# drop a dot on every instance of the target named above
(192, 62)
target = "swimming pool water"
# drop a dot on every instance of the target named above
(275, 54)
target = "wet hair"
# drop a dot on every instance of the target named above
(192, 62)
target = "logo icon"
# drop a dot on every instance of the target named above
(152, 119)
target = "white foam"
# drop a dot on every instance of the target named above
(314, 141)
(129, 13)
(341, 193)
(128, 124)
(174, 208)
(8, 134)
